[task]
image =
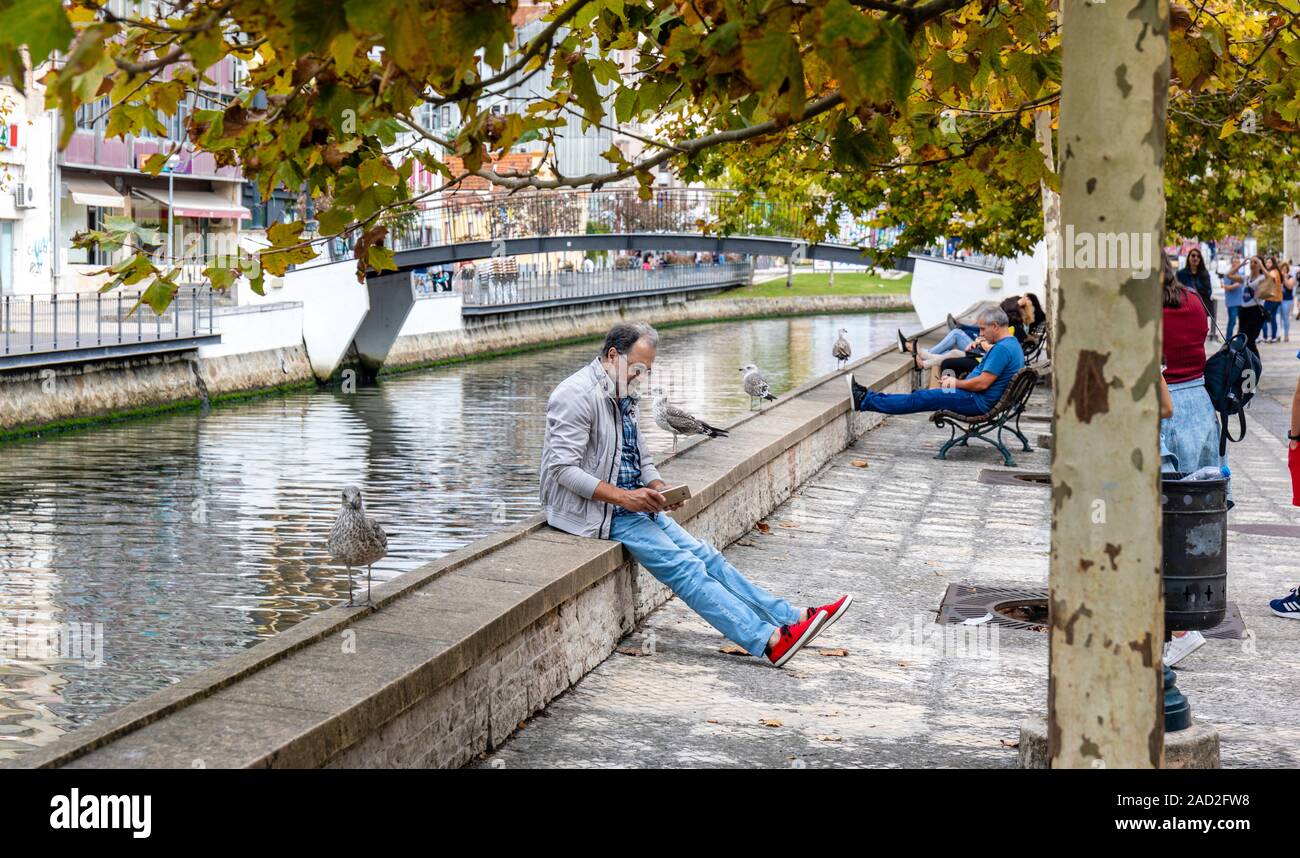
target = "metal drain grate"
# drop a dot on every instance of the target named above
(993, 477)
(964, 602)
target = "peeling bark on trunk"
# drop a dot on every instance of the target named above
(1104, 706)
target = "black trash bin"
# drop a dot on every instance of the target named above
(1195, 540)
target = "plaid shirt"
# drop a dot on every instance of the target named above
(629, 460)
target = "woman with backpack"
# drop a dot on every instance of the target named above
(1191, 434)
(1251, 314)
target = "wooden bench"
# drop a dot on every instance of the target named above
(988, 427)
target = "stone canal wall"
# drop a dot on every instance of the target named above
(69, 394)
(59, 395)
(457, 653)
(532, 328)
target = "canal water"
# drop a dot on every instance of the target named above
(137, 553)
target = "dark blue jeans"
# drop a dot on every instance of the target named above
(1232, 322)
(933, 399)
(1270, 319)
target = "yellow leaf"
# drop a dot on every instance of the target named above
(1228, 128)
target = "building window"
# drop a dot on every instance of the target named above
(96, 255)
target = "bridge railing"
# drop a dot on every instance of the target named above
(482, 289)
(467, 217)
(52, 323)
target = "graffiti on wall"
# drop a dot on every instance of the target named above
(39, 250)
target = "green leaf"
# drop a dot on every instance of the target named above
(584, 88)
(381, 259)
(41, 25)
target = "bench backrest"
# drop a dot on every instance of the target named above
(1017, 392)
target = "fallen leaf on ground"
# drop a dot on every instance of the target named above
(1007, 744)
(763, 527)
(521, 725)
(837, 653)
(859, 463)
(745, 542)
(831, 738)
(732, 649)
(788, 524)
(769, 722)
(711, 721)
(630, 650)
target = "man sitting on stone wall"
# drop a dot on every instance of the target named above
(975, 394)
(599, 480)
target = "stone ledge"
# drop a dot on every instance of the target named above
(492, 631)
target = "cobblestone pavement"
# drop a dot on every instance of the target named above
(896, 533)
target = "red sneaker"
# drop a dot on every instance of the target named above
(834, 611)
(794, 638)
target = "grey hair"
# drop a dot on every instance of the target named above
(993, 316)
(622, 337)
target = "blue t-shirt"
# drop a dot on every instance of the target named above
(1004, 360)
(1232, 297)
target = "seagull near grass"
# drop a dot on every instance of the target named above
(670, 418)
(356, 539)
(755, 384)
(841, 350)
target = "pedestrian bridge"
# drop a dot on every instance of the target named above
(463, 227)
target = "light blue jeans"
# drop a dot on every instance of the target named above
(1189, 440)
(956, 339)
(702, 578)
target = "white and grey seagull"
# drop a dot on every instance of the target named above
(755, 384)
(356, 539)
(841, 350)
(670, 418)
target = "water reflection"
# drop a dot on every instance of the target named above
(192, 536)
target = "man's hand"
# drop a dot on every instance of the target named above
(642, 500)
(659, 485)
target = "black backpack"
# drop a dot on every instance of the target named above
(1231, 378)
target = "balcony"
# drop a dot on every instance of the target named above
(90, 149)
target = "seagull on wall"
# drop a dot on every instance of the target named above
(755, 384)
(670, 418)
(356, 539)
(841, 350)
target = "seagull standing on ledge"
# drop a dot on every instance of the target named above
(670, 418)
(842, 350)
(356, 539)
(755, 384)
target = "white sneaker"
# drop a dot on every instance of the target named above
(1180, 648)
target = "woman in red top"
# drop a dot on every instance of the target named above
(1189, 439)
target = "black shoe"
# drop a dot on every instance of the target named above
(858, 394)
(952, 323)
(902, 341)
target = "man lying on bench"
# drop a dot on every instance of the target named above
(975, 394)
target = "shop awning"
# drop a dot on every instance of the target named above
(196, 203)
(88, 191)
